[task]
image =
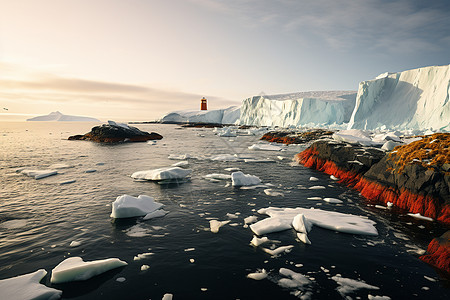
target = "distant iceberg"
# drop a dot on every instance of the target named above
(218, 116)
(298, 109)
(413, 99)
(59, 117)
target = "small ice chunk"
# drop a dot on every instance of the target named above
(370, 297)
(317, 187)
(265, 147)
(27, 287)
(241, 179)
(232, 216)
(127, 206)
(120, 279)
(143, 256)
(75, 244)
(90, 171)
(294, 280)
(191, 260)
(225, 157)
(314, 198)
(232, 169)
(218, 176)
(189, 249)
(167, 173)
(182, 163)
(429, 278)
(75, 269)
(389, 204)
(256, 241)
(278, 251)
(332, 200)
(419, 216)
(38, 174)
(334, 178)
(215, 225)
(145, 267)
(348, 286)
(312, 178)
(167, 297)
(259, 275)
(250, 219)
(270, 192)
(179, 157)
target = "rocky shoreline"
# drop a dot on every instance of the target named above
(413, 177)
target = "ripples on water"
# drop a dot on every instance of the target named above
(40, 218)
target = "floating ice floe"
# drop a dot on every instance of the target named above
(227, 132)
(155, 214)
(250, 219)
(312, 178)
(419, 216)
(282, 218)
(265, 147)
(38, 174)
(270, 192)
(67, 181)
(256, 241)
(348, 286)
(143, 255)
(75, 244)
(27, 287)
(232, 169)
(294, 280)
(225, 157)
(218, 176)
(259, 275)
(332, 177)
(332, 200)
(278, 251)
(215, 225)
(255, 160)
(179, 156)
(167, 297)
(182, 163)
(75, 269)
(127, 206)
(241, 179)
(167, 173)
(317, 187)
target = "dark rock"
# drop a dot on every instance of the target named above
(113, 133)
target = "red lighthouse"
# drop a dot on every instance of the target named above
(203, 104)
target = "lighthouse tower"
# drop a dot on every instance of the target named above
(203, 104)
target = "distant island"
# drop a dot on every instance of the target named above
(59, 117)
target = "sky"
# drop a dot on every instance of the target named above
(136, 60)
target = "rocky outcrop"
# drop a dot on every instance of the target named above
(293, 137)
(438, 253)
(116, 133)
(412, 177)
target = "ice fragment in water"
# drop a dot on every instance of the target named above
(241, 179)
(215, 225)
(75, 269)
(127, 206)
(260, 275)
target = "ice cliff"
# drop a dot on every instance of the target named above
(219, 116)
(413, 99)
(57, 116)
(304, 108)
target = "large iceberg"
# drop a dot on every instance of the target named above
(57, 116)
(304, 108)
(413, 99)
(218, 116)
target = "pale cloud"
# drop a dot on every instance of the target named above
(43, 92)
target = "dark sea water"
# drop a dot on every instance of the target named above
(47, 216)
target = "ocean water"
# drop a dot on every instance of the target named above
(40, 218)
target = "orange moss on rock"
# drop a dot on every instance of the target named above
(432, 152)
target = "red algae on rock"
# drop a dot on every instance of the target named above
(439, 253)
